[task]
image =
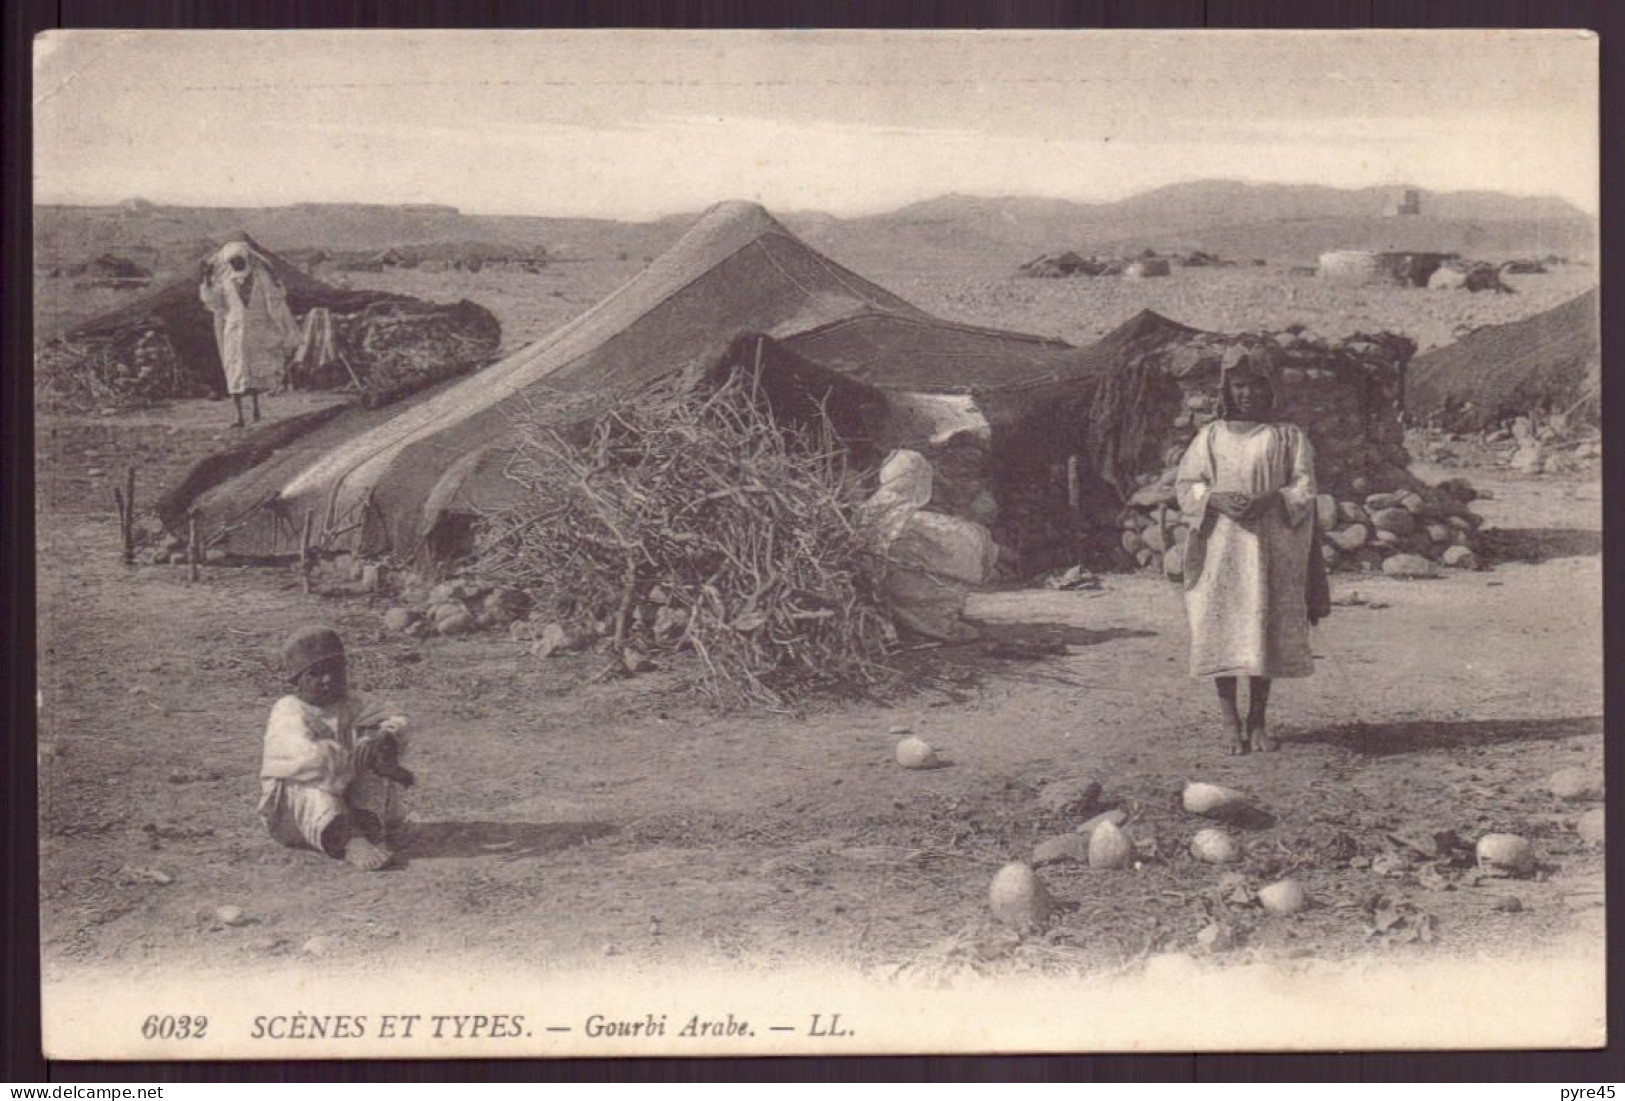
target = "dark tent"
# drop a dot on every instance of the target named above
(737, 288)
(1550, 361)
(175, 311)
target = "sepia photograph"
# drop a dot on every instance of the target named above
(747, 543)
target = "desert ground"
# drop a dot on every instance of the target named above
(559, 819)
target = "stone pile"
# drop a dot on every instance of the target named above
(1404, 534)
(460, 606)
(1348, 397)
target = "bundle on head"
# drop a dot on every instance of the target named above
(693, 519)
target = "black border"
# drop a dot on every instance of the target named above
(20, 1058)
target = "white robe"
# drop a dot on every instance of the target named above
(1245, 581)
(255, 335)
(308, 772)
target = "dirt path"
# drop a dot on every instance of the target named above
(561, 820)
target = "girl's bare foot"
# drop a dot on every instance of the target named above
(1259, 739)
(1239, 745)
(363, 854)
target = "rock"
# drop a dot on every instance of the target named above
(457, 623)
(1215, 846)
(1351, 513)
(1283, 897)
(446, 609)
(317, 946)
(634, 660)
(1575, 785)
(1149, 497)
(1173, 563)
(1505, 852)
(1068, 848)
(1459, 558)
(1438, 533)
(1109, 848)
(231, 915)
(1529, 459)
(1148, 557)
(1381, 502)
(1329, 555)
(503, 605)
(1326, 511)
(1018, 898)
(916, 753)
(1154, 538)
(1115, 817)
(1216, 938)
(1210, 800)
(1071, 798)
(1397, 520)
(1131, 543)
(1412, 502)
(1590, 826)
(371, 576)
(1350, 538)
(1408, 565)
(446, 592)
(1387, 540)
(554, 639)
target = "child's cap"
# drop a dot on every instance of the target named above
(307, 646)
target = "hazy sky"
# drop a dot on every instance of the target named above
(642, 124)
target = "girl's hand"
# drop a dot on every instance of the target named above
(1233, 505)
(1260, 505)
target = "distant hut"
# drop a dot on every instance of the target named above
(1348, 266)
(108, 270)
(1405, 202)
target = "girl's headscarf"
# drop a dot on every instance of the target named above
(1254, 363)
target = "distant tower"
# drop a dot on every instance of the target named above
(1405, 202)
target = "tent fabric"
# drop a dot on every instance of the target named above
(736, 272)
(1549, 361)
(175, 307)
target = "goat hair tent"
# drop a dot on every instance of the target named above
(738, 287)
(1551, 361)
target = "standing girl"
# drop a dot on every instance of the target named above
(1247, 486)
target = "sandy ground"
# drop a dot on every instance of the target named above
(561, 820)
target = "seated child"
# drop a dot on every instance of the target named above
(331, 777)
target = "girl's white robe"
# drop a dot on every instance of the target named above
(1245, 581)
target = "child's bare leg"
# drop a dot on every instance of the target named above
(1226, 687)
(255, 396)
(237, 401)
(342, 842)
(1258, 702)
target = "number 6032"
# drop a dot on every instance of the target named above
(158, 1027)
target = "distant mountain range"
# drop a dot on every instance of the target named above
(1279, 222)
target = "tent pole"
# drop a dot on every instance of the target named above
(304, 548)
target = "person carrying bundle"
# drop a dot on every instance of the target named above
(253, 327)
